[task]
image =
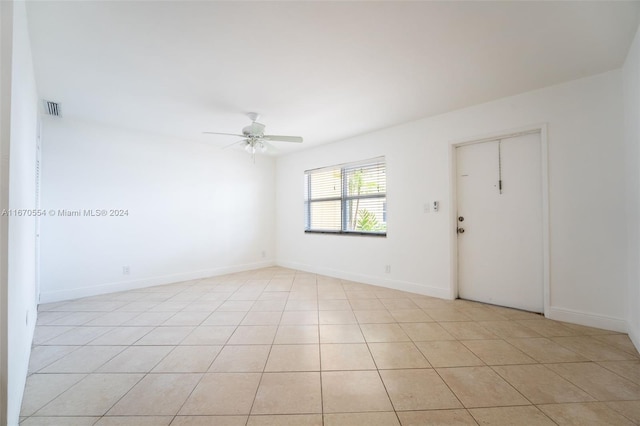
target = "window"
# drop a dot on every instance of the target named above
(347, 199)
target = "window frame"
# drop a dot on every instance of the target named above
(344, 198)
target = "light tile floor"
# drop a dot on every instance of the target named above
(281, 347)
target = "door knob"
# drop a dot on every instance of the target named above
(460, 230)
(460, 219)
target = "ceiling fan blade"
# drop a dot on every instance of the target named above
(232, 144)
(278, 138)
(224, 134)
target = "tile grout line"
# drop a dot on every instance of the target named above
(255, 396)
(319, 351)
(202, 375)
(384, 385)
(492, 367)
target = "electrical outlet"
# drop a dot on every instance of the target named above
(387, 269)
(125, 270)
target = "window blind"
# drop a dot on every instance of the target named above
(347, 198)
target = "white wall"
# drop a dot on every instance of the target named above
(631, 81)
(586, 177)
(194, 210)
(21, 294)
(6, 35)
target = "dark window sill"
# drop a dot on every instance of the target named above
(361, 234)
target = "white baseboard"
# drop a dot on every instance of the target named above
(555, 313)
(426, 290)
(634, 336)
(588, 319)
(76, 293)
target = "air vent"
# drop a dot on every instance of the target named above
(52, 108)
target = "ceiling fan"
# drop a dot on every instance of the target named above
(254, 140)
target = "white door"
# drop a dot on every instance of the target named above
(499, 196)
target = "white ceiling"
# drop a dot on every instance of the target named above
(322, 70)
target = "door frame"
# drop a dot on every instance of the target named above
(453, 193)
(38, 225)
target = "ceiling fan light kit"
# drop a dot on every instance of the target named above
(253, 146)
(255, 141)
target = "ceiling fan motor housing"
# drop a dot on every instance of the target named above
(254, 130)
